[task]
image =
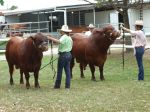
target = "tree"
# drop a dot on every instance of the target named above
(1, 2)
(13, 7)
(122, 7)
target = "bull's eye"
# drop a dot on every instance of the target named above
(41, 42)
(38, 43)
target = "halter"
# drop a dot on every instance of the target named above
(109, 36)
(33, 41)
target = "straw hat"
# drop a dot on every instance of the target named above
(65, 28)
(91, 26)
(139, 22)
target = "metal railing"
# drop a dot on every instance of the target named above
(24, 27)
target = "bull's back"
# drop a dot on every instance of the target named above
(12, 50)
(86, 51)
(80, 43)
(78, 36)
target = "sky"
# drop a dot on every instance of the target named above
(38, 4)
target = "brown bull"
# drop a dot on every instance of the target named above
(93, 50)
(26, 55)
(78, 29)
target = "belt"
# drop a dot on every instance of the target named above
(138, 46)
(63, 52)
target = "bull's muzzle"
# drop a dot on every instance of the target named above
(43, 46)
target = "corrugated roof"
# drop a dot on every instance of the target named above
(50, 6)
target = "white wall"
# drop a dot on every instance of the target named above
(102, 17)
(133, 16)
(146, 19)
(2, 19)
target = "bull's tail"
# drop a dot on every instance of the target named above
(72, 63)
(10, 64)
(11, 70)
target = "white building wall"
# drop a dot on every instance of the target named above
(109, 17)
(101, 18)
(133, 16)
(146, 17)
(2, 19)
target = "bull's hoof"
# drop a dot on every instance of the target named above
(102, 79)
(37, 86)
(93, 79)
(21, 82)
(82, 76)
(27, 86)
(11, 83)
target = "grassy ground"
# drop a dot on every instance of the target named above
(120, 92)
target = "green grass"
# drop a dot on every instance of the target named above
(2, 45)
(120, 92)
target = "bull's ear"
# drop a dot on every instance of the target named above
(32, 37)
(99, 31)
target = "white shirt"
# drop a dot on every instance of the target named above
(140, 39)
(88, 33)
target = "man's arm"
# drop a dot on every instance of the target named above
(53, 39)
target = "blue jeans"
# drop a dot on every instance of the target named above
(139, 59)
(63, 62)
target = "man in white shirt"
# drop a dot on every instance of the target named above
(90, 27)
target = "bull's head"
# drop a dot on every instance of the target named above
(111, 33)
(40, 41)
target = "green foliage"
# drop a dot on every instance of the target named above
(13, 7)
(2, 2)
(101, 2)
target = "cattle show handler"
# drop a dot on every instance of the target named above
(65, 46)
(90, 27)
(139, 45)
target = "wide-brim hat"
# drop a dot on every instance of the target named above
(139, 22)
(91, 26)
(65, 28)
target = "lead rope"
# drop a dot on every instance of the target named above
(123, 36)
(85, 54)
(51, 60)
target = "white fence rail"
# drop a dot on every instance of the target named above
(24, 27)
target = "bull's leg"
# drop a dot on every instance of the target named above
(21, 77)
(11, 70)
(81, 70)
(27, 76)
(92, 68)
(101, 72)
(71, 66)
(36, 77)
